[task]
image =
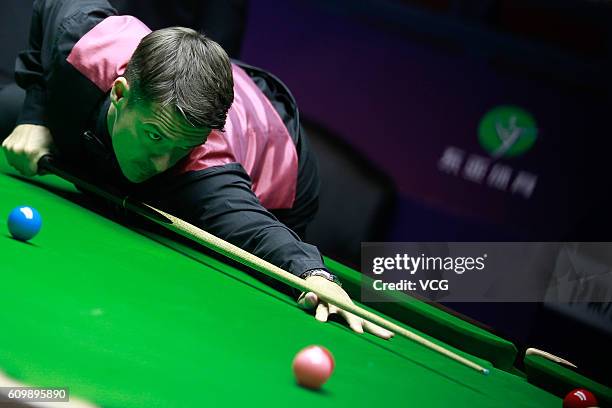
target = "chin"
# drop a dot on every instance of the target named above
(137, 178)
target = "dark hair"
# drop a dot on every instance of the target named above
(182, 68)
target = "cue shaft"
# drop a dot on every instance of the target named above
(236, 253)
(246, 258)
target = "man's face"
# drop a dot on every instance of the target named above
(147, 139)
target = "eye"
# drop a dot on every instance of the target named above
(153, 136)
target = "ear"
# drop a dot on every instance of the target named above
(119, 92)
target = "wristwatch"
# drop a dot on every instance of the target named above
(322, 273)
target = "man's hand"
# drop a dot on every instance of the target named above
(310, 300)
(25, 146)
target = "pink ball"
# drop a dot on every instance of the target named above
(312, 366)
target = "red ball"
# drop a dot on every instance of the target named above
(312, 366)
(579, 398)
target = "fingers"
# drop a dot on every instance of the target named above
(35, 158)
(18, 156)
(15, 158)
(357, 324)
(360, 325)
(25, 146)
(322, 312)
(30, 153)
(354, 322)
(308, 301)
(377, 330)
(332, 309)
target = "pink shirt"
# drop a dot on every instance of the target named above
(255, 135)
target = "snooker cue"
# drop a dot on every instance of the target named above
(238, 254)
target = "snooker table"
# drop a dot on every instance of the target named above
(128, 317)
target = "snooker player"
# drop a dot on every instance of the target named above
(166, 116)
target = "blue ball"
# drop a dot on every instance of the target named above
(24, 223)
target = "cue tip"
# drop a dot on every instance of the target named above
(486, 371)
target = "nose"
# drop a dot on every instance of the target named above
(161, 163)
